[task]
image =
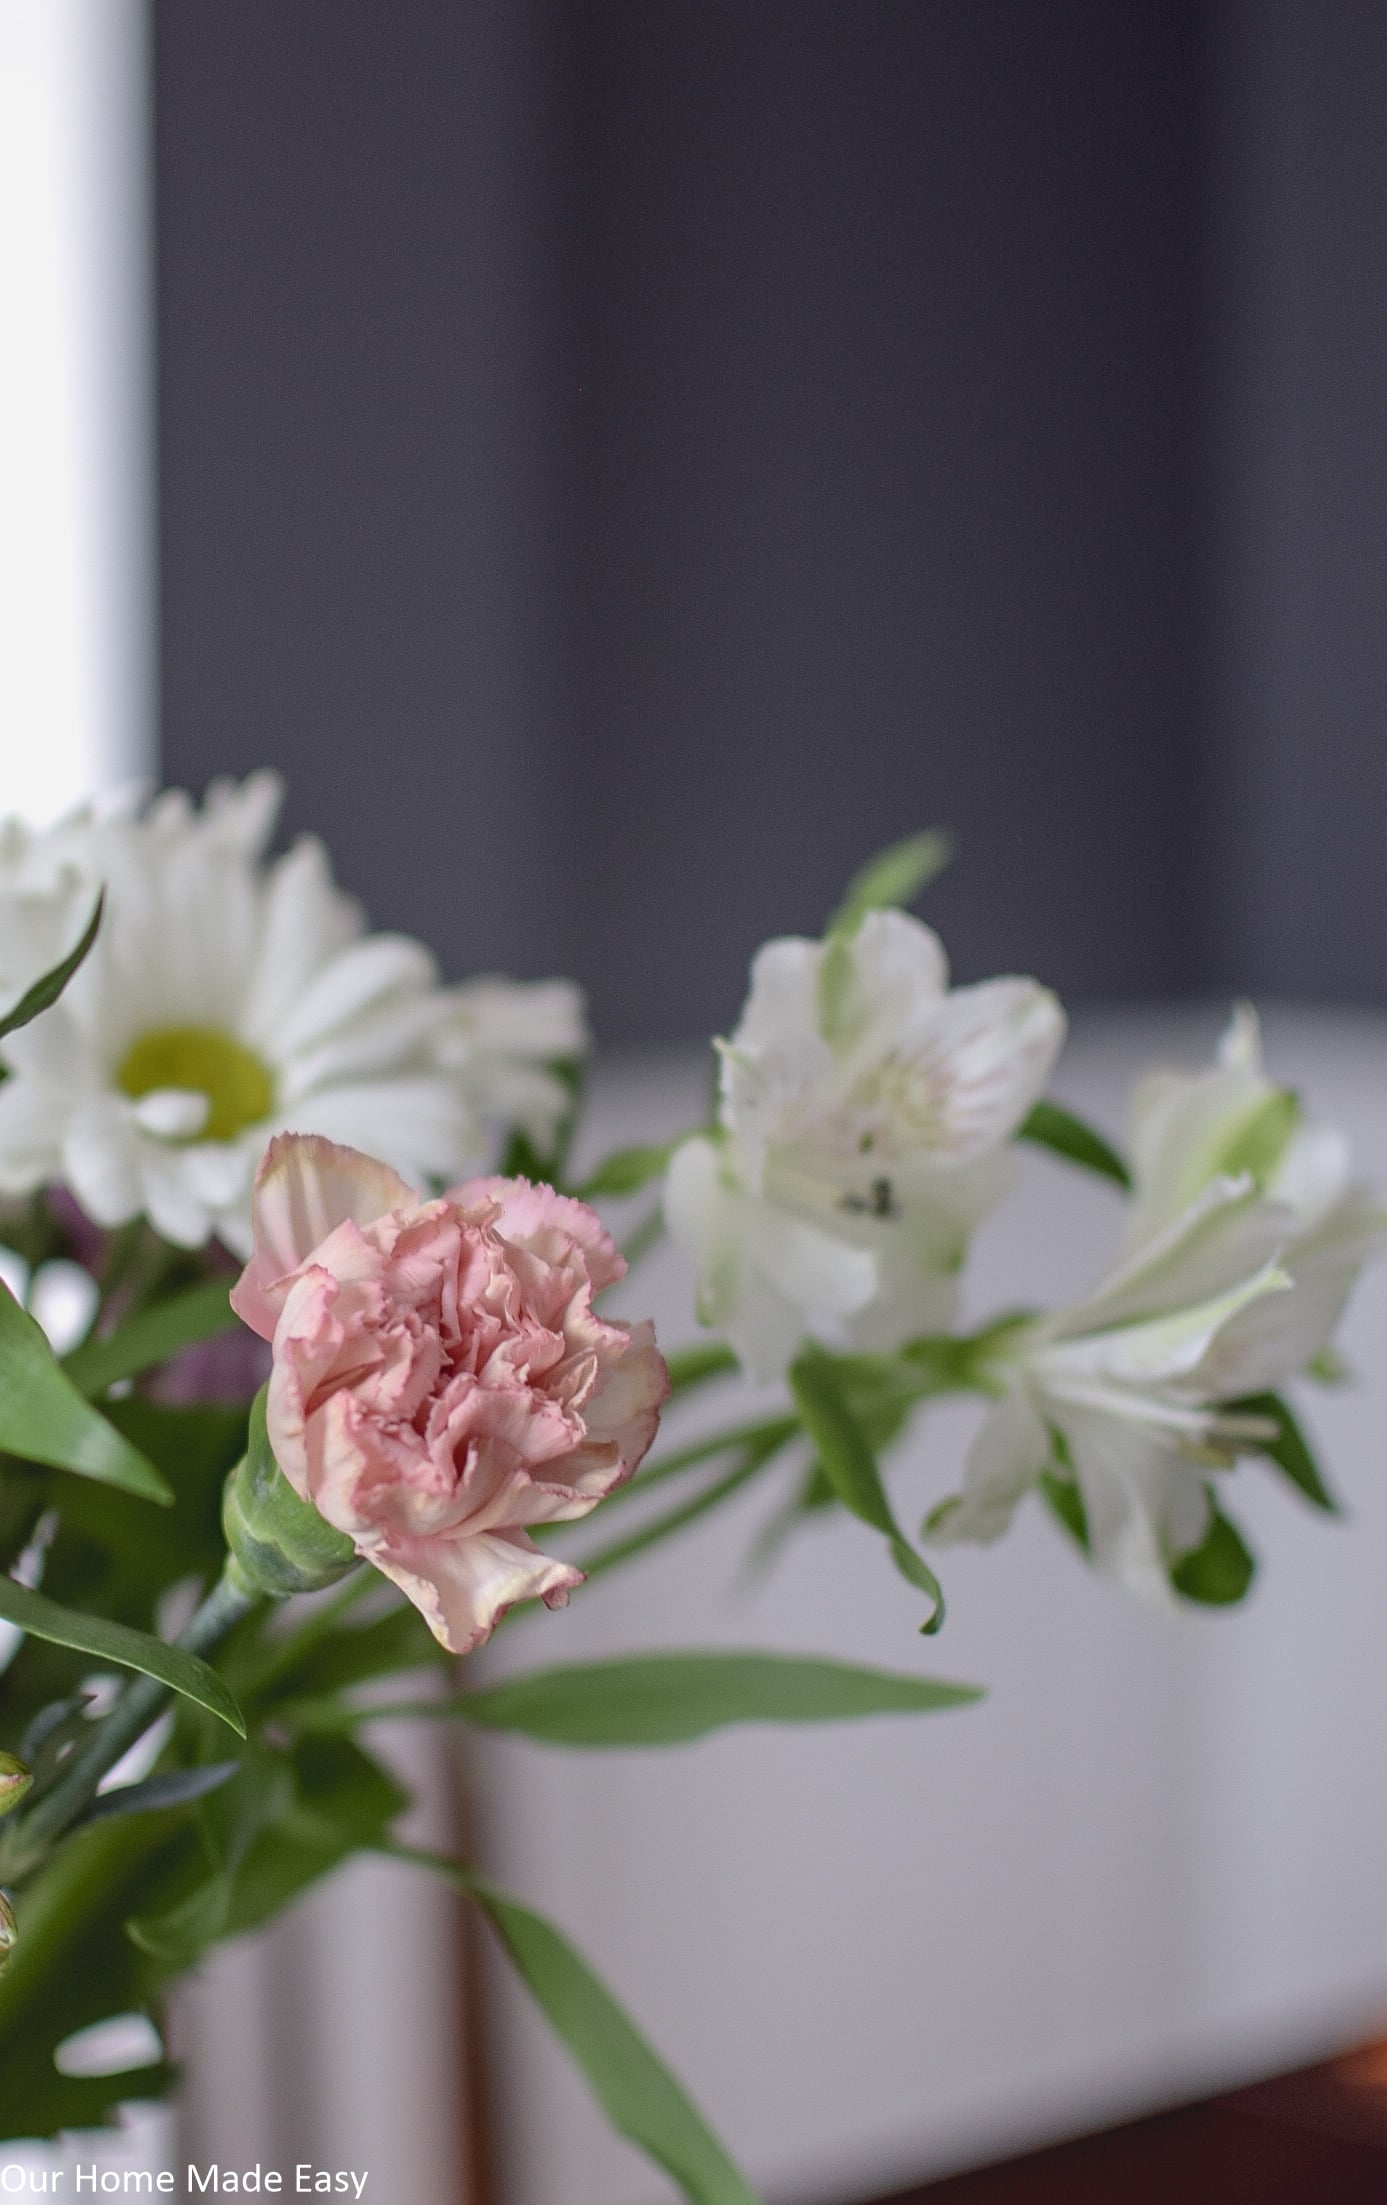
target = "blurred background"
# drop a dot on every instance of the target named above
(624, 463)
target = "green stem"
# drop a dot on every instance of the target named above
(129, 1719)
(281, 1654)
(754, 1458)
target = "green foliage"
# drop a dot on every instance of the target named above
(1066, 1505)
(157, 1794)
(74, 1965)
(627, 1170)
(850, 1465)
(43, 1417)
(670, 1699)
(1049, 1126)
(1290, 1450)
(151, 1335)
(45, 991)
(635, 2089)
(1219, 1572)
(116, 1642)
(896, 876)
(694, 1366)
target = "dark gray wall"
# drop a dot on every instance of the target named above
(624, 462)
(1297, 498)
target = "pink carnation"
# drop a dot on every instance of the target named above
(440, 1377)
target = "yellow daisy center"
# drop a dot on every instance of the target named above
(237, 1085)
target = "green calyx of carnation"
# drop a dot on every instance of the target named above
(278, 1543)
(204, 1061)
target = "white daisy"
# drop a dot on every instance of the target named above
(228, 997)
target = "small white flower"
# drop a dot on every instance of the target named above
(227, 997)
(1245, 1239)
(1188, 1129)
(863, 1110)
(1118, 1394)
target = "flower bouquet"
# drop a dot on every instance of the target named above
(305, 1376)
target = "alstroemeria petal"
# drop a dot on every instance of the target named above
(1009, 1452)
(1145, 1503)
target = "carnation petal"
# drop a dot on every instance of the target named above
(462, 1587)
(307, 1186)
(533, 1216)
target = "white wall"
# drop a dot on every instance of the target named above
(1151, 1862)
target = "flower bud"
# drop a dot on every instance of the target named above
(15, 1780)
(8, 1932)
(279, 1544)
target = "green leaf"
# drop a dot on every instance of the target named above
(45, 991)
(1066, 1505)
(627, 1170)
(694, 1366)
(1290, 1450)
(895, 877)
(398, 1641)
(850, 1466)
(151, 1336)
(43, 1417)
(73, 1966)
(1219, 1572)
(1048, 1126)
(174, 1788)
(635, 2089)
(670, 1699)
(116, 1642)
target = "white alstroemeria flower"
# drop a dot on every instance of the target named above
(227, 997)
(1188, 1129)
(1246, 1237)
(863, 1110)
(1124, 1392)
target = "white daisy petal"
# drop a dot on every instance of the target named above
(225, 997)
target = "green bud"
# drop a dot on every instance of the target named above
(278, 1543)
(8, 1933)
(15, 1780)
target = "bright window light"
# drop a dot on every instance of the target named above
(77, 564)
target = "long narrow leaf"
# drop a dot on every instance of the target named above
(150, 1337)
(175, 1788)
(850, 1466)
(1048, 1126)
(44, 1418)
(635, 2089)
(45, 991)
(671, 1699)
(129, 1649)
